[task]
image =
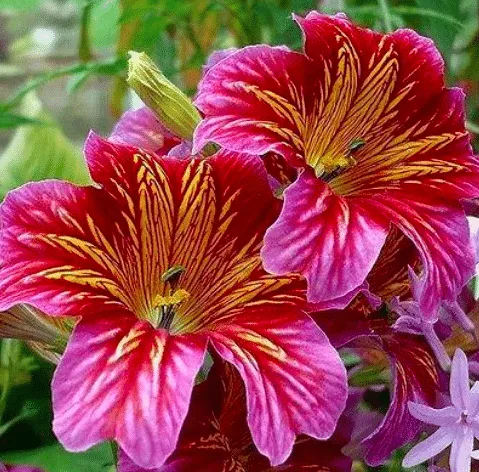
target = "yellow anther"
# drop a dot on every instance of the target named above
(176, 298)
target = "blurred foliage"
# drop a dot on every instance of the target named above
(179, 36)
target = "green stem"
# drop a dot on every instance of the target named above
(114, 453)
(84, 52)
(386, 14)
(7, 350)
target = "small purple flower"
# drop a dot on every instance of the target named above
(458, 423)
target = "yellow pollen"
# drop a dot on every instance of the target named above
(176, 298)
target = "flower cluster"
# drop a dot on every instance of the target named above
(307, 210)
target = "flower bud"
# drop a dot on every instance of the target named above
(175, 110)
(46, 335)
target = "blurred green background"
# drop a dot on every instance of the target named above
(62, 72)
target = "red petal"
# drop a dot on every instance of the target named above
(440, 232)
(232, 99)
(332, 241)
(352, 85)
(415, 379)
(121, 379)
(295, 381)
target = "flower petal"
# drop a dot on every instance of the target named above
(295, 381)
(429, 448)
(142, 128)
(438, 417)
(239, 101)
(415, 377)
(459, 381)
(438, 228)
(121, 379)
(461, 450)
(318, 234)
(48, 255)
(352, 86)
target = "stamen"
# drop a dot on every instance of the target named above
(331, 167)
(172, 275)
(166, 306)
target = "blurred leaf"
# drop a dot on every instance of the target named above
(425, 14)
(368, 375)
(105, 67)
(40, 152)
(104, 23)
(23, 5)
(28, 411)
(434, 26)
(11, 120)
(55, 459)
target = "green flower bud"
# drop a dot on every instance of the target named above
(175, 110)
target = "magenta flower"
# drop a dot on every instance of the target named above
(161, 259)
(458, 423)
(378, 141)
(18, 468)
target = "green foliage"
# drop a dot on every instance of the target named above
(39, 152)
(55, 459)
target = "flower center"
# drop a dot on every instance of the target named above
(464, 419)
(166, 305)
(330, 166)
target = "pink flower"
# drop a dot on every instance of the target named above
(160, 259)
(378, 141)
(458, 423)
(18, 468)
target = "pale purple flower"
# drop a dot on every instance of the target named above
(458, 423)
(411, 320)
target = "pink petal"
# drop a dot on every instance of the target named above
(121, 379)
(438, 417)
(142, 128)
(232, 100)
(459, 381)
(46, 243)
(438, 228)
(330, 240)
(461, 450)
(217, 56)
(295, 380)
(429, 448)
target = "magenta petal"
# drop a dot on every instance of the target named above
(217, 56)
(415, 379)
(121, 379)
(330, 240)
(19, 468)
(236, 95)
(430, 447)
(295, 381)
(439, 230)
(142, 128)
(438, 417)
(459, 382)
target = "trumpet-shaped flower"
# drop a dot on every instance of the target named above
(378, 141)
(159, 259)
(458, 423)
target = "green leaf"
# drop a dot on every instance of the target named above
(55, 459)
(12, 120)
(434, 26)
(40, 152)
